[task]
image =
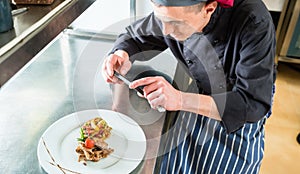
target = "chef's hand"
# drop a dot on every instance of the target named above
(119, 61)
(159, 92)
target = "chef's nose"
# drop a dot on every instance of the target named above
(167, 28)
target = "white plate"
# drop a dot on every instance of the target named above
(127, 139)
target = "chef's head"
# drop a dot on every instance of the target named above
(181, 18)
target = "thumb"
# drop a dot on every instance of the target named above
(125, 67)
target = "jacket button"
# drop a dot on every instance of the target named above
(218, 66)
(216, 41)
(189, 62)
(221, 86)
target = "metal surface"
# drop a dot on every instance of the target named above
(19, 11)
(133, 10)
(105, 23)
(23, 22)
(64, 78)
(33, 30)
(89, 34)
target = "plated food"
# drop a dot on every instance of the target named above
(91, 144)
(61, 140)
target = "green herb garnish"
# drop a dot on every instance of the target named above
(82, 137)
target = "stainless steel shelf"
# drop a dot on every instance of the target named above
(33, 30)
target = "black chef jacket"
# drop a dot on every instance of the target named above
(243, 40)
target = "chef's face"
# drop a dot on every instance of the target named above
(182, 22)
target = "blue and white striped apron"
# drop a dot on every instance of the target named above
(198, 144)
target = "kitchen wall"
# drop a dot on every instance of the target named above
(144, 6)
(113, 16)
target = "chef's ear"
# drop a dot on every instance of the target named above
(210, 8)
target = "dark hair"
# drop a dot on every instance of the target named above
(195, 8)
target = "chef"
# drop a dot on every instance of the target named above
(228, 47)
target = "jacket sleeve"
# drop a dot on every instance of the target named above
(251, 97)
(143, 39)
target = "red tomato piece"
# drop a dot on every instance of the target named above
(89, 143)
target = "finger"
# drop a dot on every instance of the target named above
(105, 75)
(142, 82)
(125, 67)
(150, 88)
(158, 101)
(116, 80)
(160, 84)
(153, 95)
(108, 78)
(112, 79)
(110, 64)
